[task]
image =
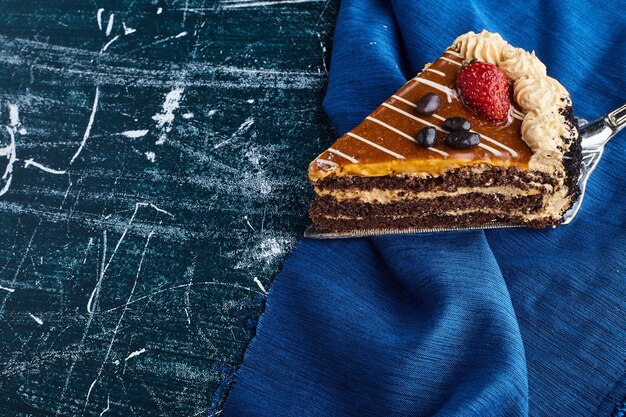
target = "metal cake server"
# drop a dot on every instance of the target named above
(594, 136)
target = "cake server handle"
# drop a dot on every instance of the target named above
(597, 133)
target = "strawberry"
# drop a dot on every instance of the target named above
(485, 89)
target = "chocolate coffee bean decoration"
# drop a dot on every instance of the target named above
(428, 104)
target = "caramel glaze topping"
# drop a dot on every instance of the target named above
(383, 144)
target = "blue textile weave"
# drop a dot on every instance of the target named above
(495, 323)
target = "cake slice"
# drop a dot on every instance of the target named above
(413, 163)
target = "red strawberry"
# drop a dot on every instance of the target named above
(484, 88)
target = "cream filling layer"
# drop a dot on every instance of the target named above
(380, 196)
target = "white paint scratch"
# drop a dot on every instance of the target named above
(211, 112)
(81, 344)
(110, 24)
(166, 117)
(106, 45)
(177, 287)
(159, 10)
(7, 289)
(87, 250)
(157, 42)
(127, 29)
(30, 162)
(324, 56)
(160, 210)
(67, 191)
(264, 252)
(120, 71)
(92, 116)
(135, 353)
(9, 152)
(135, 133)
(89, 392)
(150, 156)
(96, 289)
(248, 221)
(24, 253)
(119, 322)
(142, 204)
(14, 115)
(108, 406)
(188, 115)
(121, 239)
(241, 4)
(240, 130)
(37, 319)
(99, 18)
(185, 9)
(250, 101)
(260, 285)
(189, 273)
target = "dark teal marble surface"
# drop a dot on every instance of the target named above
(153, 164)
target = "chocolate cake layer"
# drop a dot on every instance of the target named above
(450, 181)
(327, 206)
(428, 221)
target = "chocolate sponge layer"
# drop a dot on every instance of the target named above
(328, 213)
(428, 221)
(450, 182)
(328, 206)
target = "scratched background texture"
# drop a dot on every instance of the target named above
(153, 161)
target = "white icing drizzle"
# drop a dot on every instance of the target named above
(448, 91)
(490, 149)
(393, 129)
(404, 135)
(413, 117)
(516, 115)
(456, 54)
(495, 142)
(443, 74)
(343, 155)
(405, 101)
(375, 145)
(436, 116)
(331, 165)
(439, 151)
(452, 61)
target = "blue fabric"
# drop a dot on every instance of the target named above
(496, 323)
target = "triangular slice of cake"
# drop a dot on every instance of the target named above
(517, 164)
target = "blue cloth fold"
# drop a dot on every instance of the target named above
(496, 323)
